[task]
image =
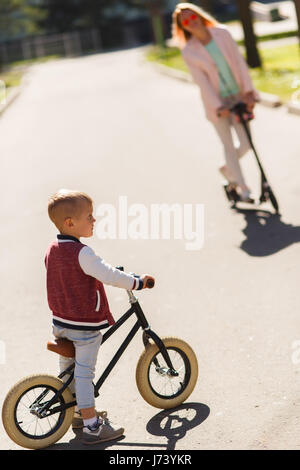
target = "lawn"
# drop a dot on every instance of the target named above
(279, 75)
(12, 75)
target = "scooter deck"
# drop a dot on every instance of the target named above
(234, 198)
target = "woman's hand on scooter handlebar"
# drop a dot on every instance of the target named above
(250, 101)
(223, 112)
(148, 281)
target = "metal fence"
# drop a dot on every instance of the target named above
(124, 34)
(66, 44)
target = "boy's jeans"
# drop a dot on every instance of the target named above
(86, 344)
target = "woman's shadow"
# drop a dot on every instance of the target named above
(265, 233)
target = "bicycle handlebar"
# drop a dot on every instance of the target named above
(150, 283)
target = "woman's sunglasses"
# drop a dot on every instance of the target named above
(186, 21)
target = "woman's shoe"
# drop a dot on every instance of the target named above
(244, 195)
(231, 193)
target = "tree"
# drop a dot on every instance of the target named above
(155, 8)
(253, 57)
(17, 19)
(68, 15)
(297, 8)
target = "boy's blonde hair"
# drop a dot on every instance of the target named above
(179, 34)
(66, 203)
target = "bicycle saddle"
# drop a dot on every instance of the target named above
(62, 346)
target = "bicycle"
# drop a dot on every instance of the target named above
(39, 409)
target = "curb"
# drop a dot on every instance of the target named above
(12, 94)
(267, 99)
(293, 108)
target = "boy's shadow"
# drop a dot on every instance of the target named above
(172, 424)
(265, 233)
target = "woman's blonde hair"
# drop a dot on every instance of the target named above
(179, 35)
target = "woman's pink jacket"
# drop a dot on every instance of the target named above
(205, 73)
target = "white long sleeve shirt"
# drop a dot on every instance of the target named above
(94, 266)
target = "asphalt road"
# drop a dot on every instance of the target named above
(111, 125)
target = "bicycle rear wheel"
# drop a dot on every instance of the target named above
(19, 412)
(155, 382)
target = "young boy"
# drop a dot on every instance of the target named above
(77, 299)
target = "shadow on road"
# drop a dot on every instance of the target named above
(266, 234)
(175, 423)
(172, 424)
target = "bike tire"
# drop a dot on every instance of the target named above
(12, 424)
(145, 367)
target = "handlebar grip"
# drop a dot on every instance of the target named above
(150, 283)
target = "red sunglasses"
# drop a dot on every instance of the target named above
(187, 20)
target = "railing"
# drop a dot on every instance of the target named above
(65, 44)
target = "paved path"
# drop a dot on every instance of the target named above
(112, 126)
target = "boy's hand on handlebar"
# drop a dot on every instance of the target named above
(148, 281)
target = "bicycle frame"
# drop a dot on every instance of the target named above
(142, 323)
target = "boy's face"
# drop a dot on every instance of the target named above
(83, 224)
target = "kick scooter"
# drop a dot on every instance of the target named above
(39, 409)
(240, 110)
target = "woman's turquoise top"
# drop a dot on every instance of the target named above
(228, 85)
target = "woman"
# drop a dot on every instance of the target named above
(220, 71)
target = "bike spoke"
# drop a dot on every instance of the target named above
(163, 384)
(32, 425)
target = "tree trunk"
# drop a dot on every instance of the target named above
(157, 26)
(297, 8)
(253, 57)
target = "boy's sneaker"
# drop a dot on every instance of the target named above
(77, 422)
(103, 431)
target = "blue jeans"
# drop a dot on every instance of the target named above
(87, 345)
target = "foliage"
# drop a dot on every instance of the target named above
(279, 75)
(68, 15)
(18, 18)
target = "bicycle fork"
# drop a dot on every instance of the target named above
(148, 333)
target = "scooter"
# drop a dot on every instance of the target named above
(243, 115)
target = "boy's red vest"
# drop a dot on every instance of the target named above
(77, 301)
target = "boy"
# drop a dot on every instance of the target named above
(77, 299)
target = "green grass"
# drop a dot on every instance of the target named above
(280, 72)
(278, 76)
(13, 74)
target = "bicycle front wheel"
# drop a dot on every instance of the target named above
(19, 412)
(156, 384)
